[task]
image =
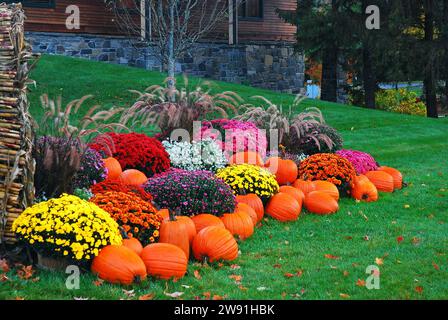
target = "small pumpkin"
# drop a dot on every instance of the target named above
(113, 168)
(364, 190)
(285, 171)
(133, 177)
(248, 157)
(283, 207)
(253, 201)
(326, 187)
(164, 261)
(396, 175)
(239, 223)
(204, 220)
(304, 185)
(119, 265)
(134, 244)
(321, 203)
(248, 209)
(175, 230)
(164, 213)
(215, 244)
(383, 181)
(294, 192)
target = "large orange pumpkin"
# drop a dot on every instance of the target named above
(294, 192)
(326, 187)
(321, 203)
(304, 185)
(113, 168)
(248, 157)
(214, 244)
(175, 231)
(383, 181)
(204, 220)
(133, 177)
(239, 224)
(364, 190)
(247, 209)
(134, 244)
(283, 207)
(285, 171)
(254, 202)
(164, 260)
(396, 175)
(119, 264)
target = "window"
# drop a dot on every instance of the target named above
(251, 9)
(35, 3)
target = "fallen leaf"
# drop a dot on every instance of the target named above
(419, 289)
(19, 298)
(348, 238)
(218, 297)
(415, 241)
(3, 277)
(435, 266)
(361, 283)
(284, 294)
(207, 295)
(98, 283)
(36, 279)
(129, 293)
(379, 261)
(25, 272)
(286, 242)
(148, 296)
(197, 275)
(277, 265)
(346, 273)
(366, 238)
(242, 288)
(288, 275)
(406, 206)
(344, 295)
(262, 288)
(400, 239)
(299, 273)
(4, 266)
(333, 267)
(80, 298)
(235, 267)
(174, 294)
(237, 278)
(330, 256)
(185, 286)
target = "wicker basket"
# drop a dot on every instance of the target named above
(50, 263)
(16, 131)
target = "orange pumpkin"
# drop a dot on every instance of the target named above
(294, 192)
(133, 177)
(164, 213)
(396, 175)
(383, 181)
(247, 209)
(326, 187)
(304, 185)
(119, 264)
(283, 207)
(164, 261)
(204, 220)
(248, 157)
(321, 203)
(254, 202)
(239, 224)
(285, 171)
(113, 168)
(364, 190)
(134, 244)
(175, 231)
(215, 244)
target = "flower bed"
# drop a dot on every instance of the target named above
(363, 162)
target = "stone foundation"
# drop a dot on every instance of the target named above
(272, 66)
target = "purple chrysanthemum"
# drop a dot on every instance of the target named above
(363, 162)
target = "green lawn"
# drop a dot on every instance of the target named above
(415, 268)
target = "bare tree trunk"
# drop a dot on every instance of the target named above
(368, 79)
(430, 81)
(330, 75)
(445, 39)
(171, 58)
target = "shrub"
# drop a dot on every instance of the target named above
(193, 192)
(67, 227)
(235, 136)
(199, 155)
(58, 159)
(91, 170)
(400, 101)
(134, 151)
(316, 138)
(328, 167)
(363, 162)
(137, 217)
(246, 178)
(119, 186)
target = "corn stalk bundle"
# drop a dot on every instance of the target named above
(16, 125)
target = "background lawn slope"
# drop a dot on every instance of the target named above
(416, 268)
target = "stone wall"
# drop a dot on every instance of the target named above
(273, 66)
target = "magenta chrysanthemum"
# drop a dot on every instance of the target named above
(363, 162)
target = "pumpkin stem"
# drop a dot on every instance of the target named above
(365, 196)
(137, 279)
(242, 191)
(172, 214)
